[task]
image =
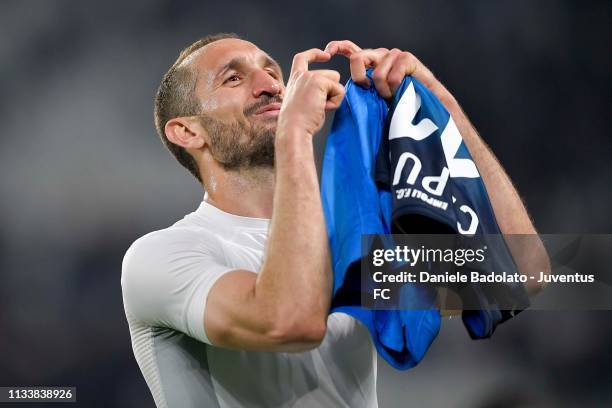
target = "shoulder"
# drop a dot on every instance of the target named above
(159, 253)
(165, 236)
(170, 240)
(157, 243)
(160, 270)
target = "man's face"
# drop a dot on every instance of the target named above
(240, 89)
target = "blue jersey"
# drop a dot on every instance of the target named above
(405, 165)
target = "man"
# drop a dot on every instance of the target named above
(229, 306)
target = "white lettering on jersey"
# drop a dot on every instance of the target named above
(401, 126)
(405, 111)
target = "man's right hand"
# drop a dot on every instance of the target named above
(309, 94)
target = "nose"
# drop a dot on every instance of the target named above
(264, 83)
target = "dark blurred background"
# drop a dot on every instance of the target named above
(83, 174)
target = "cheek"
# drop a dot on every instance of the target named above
(226, 105)
(218, 108)
(210, 77)
(227, 111)
(210, 104)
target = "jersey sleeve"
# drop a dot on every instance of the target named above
(166, 277)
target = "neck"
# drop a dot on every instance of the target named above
(248, 193)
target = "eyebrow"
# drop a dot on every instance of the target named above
(237, 62)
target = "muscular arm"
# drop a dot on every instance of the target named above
(510, 212)
(525, 246)
(391, 66)
(285, 306)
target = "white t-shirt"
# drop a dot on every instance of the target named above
(165, 279)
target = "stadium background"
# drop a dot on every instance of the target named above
(83, 174)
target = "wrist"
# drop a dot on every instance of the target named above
(292, 136)
(292, 144)
(444, 96)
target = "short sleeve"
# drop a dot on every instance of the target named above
(166, 276)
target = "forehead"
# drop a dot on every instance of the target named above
(216, 54)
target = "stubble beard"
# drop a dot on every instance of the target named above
(240, 147)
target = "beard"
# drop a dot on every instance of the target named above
(238, 146)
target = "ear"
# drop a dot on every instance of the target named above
(185, 132)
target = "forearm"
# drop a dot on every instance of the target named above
(391, 67)
(295, 280)
(509, 209)
(512, 217)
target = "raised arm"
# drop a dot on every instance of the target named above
(391, 66)
(526, 247)
(285, 306)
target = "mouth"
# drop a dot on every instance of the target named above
(269, 110)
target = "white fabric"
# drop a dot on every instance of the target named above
(166, 278)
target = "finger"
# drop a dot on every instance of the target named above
(335, 94)
(420, 71)
(344, 47)
(379, 76)
(405, 64)
(328, 73)
(362, 60)
(302, 59)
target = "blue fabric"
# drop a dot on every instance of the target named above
(421, 129)
(353, 205)
(359, 198)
